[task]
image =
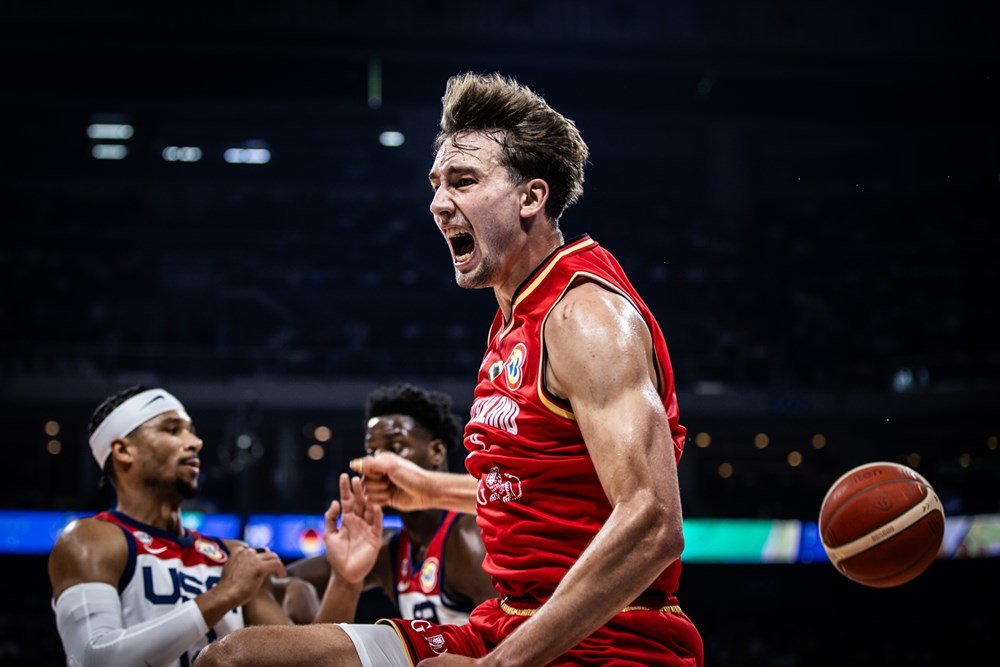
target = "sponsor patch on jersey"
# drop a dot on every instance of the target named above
(428, 575)
(210, 549)
(143, 537)
(497, 485)
(515, 366)
(436, 643)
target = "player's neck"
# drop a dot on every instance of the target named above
(159, 513)
(421, 526)
(536, 250)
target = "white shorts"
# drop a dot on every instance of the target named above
(377, 645)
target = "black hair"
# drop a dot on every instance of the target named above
(101, 413)
(430, 409)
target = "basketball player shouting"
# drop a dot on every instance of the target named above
(574, 435)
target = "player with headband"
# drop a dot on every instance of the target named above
(132, 586)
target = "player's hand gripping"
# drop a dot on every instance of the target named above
(352, 549)
(394, 481)
(244, 572)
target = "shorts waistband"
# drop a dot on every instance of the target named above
(648, 601)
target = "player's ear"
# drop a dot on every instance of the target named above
(533, 197)
(122, 451)
(438, 451)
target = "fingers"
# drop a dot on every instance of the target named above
(346, 495)
(359, 496)
(272, 564)
(374, 466)
(331, 517)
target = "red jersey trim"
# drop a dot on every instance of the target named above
(549, 400)
(540, 276)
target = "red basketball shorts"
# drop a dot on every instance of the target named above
(639, 637)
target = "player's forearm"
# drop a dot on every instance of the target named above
(636, 543)
(451, 491)
(215, 603)
(340, 601)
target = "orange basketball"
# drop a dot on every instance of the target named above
(881, 524)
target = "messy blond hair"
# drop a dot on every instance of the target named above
(536, 141)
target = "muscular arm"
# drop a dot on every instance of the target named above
(600, 356)
(392, 480)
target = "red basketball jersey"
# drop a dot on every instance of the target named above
(540, 500)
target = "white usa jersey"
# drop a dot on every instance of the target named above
(419, 594)
(165, 571)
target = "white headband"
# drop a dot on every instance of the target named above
(128, 416)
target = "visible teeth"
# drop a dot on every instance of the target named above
(453, 232)
(462, 258)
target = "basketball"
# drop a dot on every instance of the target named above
(881, 524)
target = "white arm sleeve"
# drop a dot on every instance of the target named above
(89, 619)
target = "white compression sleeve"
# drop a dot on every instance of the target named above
(89, 619)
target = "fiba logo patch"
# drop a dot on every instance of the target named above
(210, 549)
(428, 575)
(143, 537)
(515, 366)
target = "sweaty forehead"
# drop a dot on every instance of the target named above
(469, 149)
(390, 425)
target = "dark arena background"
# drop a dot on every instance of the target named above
(230, 200)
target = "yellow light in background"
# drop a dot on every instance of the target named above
(819, 441)
(760, 441)
(913, 459)
(725, 471)
(991, 442)
(964, 460)
(703, 440)
(794, 459)
(52, 428)
(316, 452)
(54, 447)
(322, 433)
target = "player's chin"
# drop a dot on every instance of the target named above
(186, 488)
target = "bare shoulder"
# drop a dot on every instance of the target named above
(88, 550)
(594, 332)
(590, 312)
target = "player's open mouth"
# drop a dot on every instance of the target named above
(192, 463)
(463, 246)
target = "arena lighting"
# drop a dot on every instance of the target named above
(109, 151)
(247, 155)
(316, 452)
(182, 153)
(52, 428)
(322, 433)
(391, 139)
(114, 131)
